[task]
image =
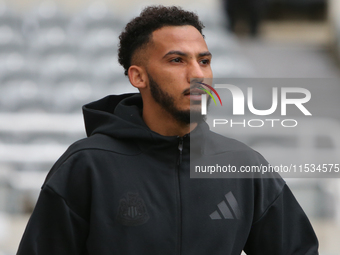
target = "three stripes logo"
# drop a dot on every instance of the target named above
(204, 97)
(228, 209)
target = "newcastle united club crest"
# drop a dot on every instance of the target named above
(132, 210)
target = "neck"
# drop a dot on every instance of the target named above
(164, 123)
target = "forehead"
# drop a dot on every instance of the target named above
(184, 38)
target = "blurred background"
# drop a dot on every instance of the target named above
(56, 56)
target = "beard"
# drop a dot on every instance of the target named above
(167, 102)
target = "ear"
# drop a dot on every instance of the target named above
(137, 77)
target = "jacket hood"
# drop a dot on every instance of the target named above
(120, 116)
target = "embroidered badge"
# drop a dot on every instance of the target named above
(132, 210)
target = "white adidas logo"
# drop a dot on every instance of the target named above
(229, 209)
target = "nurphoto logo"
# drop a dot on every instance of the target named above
(277, 102)
(204, 97)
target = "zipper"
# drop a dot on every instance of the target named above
(179, 201)
(180, 149)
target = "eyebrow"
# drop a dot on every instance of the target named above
(181, 53)
(205, 54)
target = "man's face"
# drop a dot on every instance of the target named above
(178, 56)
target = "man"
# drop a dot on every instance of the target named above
(126, 189)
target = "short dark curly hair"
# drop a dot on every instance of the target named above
(138, 31)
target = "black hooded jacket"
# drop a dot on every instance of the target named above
(126, 190)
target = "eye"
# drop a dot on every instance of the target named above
(205, 61)
(176, 60)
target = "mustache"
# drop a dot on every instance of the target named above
(195, 85)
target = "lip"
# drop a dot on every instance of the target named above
(194, 94)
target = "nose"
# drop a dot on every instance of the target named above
(195, 73)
